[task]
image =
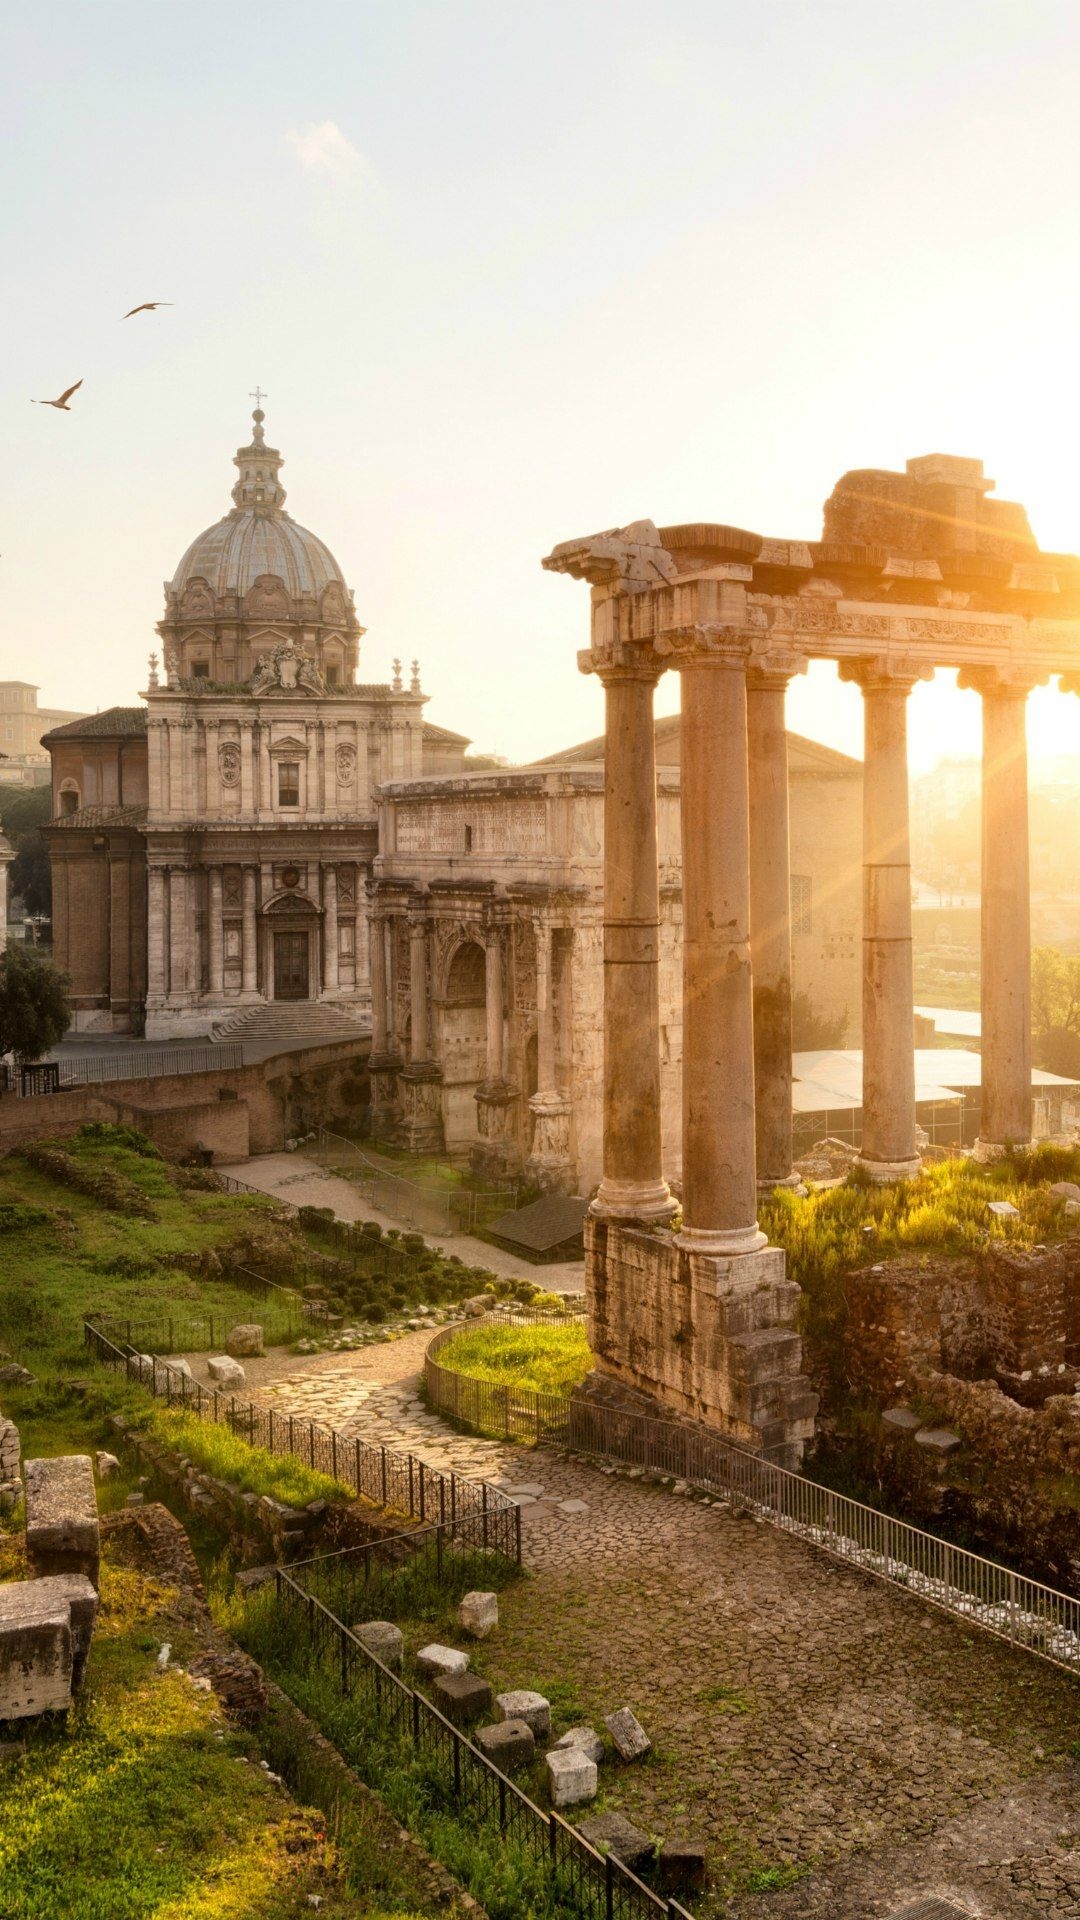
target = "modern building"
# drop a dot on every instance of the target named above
(211, 848)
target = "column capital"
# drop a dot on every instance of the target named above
(885, 673)
(645, 669)
(769, 670)
(1005, 681)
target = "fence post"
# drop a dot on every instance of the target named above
(357, 1474)
(383, 1452)
(311, 1442)
(457, 1766)
(333, 1449)
(412, 1497)
(609, 1886)
(484, 1510)
(423, 1513)
(416, 1718)
(438, 1551)
(517, 1533)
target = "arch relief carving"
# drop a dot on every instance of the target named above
(229, 763)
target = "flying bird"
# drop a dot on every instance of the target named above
(148, 306)
(62, 403)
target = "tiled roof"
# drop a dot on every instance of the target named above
(432, 732)
(101, 817)
(112, 723)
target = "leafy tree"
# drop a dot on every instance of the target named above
(23, 811)
(1055, 1010)
(35, 1011)
(814, 1032)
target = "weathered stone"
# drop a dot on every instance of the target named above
(937, 1440)
(61, 1516)
(107, 1464)
(463, 1697)
(628, 1734)
(175, 1363)
(12, 1375)
(1065, 1190)
(477, 1304)
(383, 1639)
(10, 1449)
(509, 1745)
(682, 1866)
(434, 1660)
(478, 1613)
(571, 1777)
(250, 1578)
(35, 1658)
(902, 1419)
(1003, 1209)
(582, 1740)
(530, 1707)
(135, 1500)
(930, 1909)
(613, 1833)
(224, 1371)
(245, 1342)
(51, 1595)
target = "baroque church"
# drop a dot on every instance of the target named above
(211, 849)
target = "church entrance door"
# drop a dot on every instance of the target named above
(291, 966)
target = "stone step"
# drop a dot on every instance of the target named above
(314, 1020)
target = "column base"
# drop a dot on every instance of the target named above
(420, 1129)
(550, 1165)
(497, 1152)
(721, 1241)
(709, 1337)
(650, 1201)
(778, 1183)
(383, 1070)
(987, 1151)
(885, 1173)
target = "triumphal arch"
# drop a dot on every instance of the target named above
(914, 571)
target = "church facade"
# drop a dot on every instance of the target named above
(211, 849)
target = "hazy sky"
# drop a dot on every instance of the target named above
(511, 273)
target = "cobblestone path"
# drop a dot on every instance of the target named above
(837, 1746)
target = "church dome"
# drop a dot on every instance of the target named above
(258, 538)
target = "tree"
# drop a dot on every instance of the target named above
(1055, 1010)
(35, 1011)
(814, 1032)
(23, 811)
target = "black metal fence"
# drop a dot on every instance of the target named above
(390, 1479)
(128, 1063)
(592, 1886)
(502, 1412)
(434, 1206)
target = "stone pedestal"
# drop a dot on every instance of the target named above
(496, 1153)
(706, 1336)
(550, 1165)
(420, 1128)
(383, 1071)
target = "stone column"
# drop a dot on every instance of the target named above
(719, 1177)
(888, 1150)
(1006, 911)
(378, 985)
(155, 935)
(550, 1163)
(421, 1128)
(249, 984)
(420, 1042)
(216, 936)
(770, 913)
(266, 772)
(311, 735)
(180, 935)
(633, 1185)
(155, 770)
(545, 1012)
(493, 992)
(330, 803)
(213, 770)
(247, 778)
(383, 1063)
(330, 929)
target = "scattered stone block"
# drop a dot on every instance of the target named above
(613, 1833)
(902, 1419)
(630, 1737)
(224, 1371)
(571, 1777)
(683, 1867)
(509, 1745)
(463, 1697)
(107, 1464)
(530, 1707)
(61, 1516)
(10, 1449)
(12, 1375)
(54, 1594)
(135, 1500)
(1072, 1208)
(252, 1577)
(245, 1342)
(433, 1661)
(582, 1740)
(476, 1305)
(478, 1613)
(937, 1440)
(177, 1364)
(35, 1655)
(1003, 1209)
(383, 1639)
(1065, 1190)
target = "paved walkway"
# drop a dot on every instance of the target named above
(300, 1179)
(837, 1746)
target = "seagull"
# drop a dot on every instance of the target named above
(62, 403)
(148, 306)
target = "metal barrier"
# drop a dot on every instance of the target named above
(138, 1063)
(501, 1412)
(425, 1204)
(1012, 1606)
(596, 1887)
(390, 1479)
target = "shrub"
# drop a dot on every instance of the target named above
(102, 1133)
(110, 1189)
(221, 1451)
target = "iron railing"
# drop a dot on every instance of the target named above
(138, 1063)
(501, 1412)
(390, 1479)
(430, 1205)
(595, 1887)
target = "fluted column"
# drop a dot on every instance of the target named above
(266, 772)
(249, 962)
(1005, 1118)
(216, 935)
(545, 1012)
(377, 946)
(330, 766)
(155, 934)
(770, 912)
(330, 929)
(420, 1042)
(181, 934)
(247, 774)
(633, 1185)
(888, 1150)
(493, 1001)
(719, 1161)
(213, 769)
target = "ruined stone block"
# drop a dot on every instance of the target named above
(434, 1660)
(937, 1440)
(530, 1707)
(683, 1867)
(106, 1464)
(61, 1516)
(463, 1697)
(478, 1613)
(245, 1342)
(10, 1449)
(509, 1745)
(73, 1591)
(571, 1777)
(901, 1419)
(224, 1371)
(613, 1833)
(628, 1734)
(384, 1640)
(35, 1655)
(582, 1740)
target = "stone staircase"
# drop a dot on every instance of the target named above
(312, 1021)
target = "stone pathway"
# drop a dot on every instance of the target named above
(840, 1749)
(298, 1178)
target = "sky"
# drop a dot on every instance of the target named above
(509, 274)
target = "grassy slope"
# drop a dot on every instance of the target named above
(544, 1359)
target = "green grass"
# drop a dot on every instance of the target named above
(540, 1359)
(225, 1454)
